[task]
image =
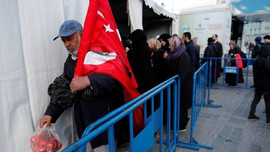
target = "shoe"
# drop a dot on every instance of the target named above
(183, 130)
(267, 122)
(250, 117)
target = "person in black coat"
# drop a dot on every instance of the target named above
(231, 78)
(180, 63)
(159, 63)
(139, 58)
(163, 38)
(261, 74)
(212, 52)
(219, 48)
(97, 94)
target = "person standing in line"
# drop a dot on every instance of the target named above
(211, 52)
(140, 60)
(233, 53)
(159, 63)
(198, 49)
(220, 50)
(180, 63)
(163, 38)
(261, 74)
(190, 48)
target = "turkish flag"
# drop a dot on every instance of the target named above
(101, 51)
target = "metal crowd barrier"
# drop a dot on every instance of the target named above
(145, 139)
(198, 101)
(231, 69)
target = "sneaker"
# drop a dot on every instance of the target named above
(250, 117)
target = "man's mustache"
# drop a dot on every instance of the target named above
(71, 48)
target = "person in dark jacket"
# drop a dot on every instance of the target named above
(198, 49)
(258, 45)
(163, 38)
(159, 63)
(190, 48)
(219, 48)
(212, 52)
(139, 58)
(261, 82)
(98, 94)
(231, 78)
(180, 63)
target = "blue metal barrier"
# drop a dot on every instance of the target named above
(145, 139)
(246, 76)
(198, 100)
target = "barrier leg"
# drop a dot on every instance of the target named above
(208, 103)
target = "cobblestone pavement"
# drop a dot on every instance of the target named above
(228, 129)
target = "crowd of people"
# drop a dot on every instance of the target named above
(152, 61)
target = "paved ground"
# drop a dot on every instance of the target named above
(227, 129)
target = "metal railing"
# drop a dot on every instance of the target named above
(145, 139)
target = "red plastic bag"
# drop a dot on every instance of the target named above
(45, 140)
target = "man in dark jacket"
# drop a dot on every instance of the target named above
(212, 52)
(190, 48)
(261, 74)
(219, 49)
(97, 94)
(198, 49)
(258, 45)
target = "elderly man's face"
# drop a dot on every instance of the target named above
(72, 43)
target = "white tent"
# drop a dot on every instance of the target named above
(30, 61)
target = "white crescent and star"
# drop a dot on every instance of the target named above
(108, 27)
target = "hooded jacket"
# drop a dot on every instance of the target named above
(261, 70)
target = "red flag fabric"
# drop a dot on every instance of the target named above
(101, 51)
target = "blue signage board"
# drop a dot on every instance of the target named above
(231, 69)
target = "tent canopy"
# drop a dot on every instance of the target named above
(152, 16)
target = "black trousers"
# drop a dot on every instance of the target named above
(256, 100)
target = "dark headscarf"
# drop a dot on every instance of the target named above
(138, 38)
(165, 37)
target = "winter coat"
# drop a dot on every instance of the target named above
(140, 61)
(160, 67)
(106, 95)
(261, 70)
(191, 50)
(182, 66)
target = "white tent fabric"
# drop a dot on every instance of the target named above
(30, 61)
(158, 9)
(135, 10)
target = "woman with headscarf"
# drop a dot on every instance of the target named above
(140, 60)
(235, 60)
(163, 38)
(180, 63)
(159, 63)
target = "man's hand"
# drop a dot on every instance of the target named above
(45, 119)
(79, 83)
